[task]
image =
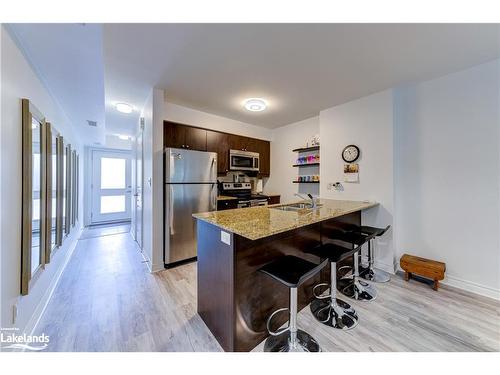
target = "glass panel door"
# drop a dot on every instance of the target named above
(111, 186)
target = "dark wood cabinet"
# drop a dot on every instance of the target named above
(264, 150)
(196, 139)
(273, 199)
(237, 142)
(219, 143)
(227, 204)
(193, 138)
(173, 135)
(181, 136)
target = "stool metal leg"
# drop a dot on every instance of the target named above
(333, 311)
(372, 274)
(353, 287)
(292, 339)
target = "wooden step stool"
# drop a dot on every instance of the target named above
(423, 267)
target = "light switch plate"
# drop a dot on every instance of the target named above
(225, 237)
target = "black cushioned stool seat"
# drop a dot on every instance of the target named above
(292, 272)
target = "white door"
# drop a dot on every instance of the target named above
(111, 186)
(138, 189)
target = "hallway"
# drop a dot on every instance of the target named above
(107, 300)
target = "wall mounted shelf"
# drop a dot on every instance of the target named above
(305, 165)
(306, 149)
(305, 182)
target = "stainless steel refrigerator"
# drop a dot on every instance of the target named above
(190, 187)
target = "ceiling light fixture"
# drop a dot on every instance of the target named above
(123, 107)
(255, 104)
(124, 137)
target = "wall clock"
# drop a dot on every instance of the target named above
(350, 153)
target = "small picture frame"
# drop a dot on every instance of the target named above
(351, 172)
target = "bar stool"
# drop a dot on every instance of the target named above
(371, 273)
(292, 272)
(328, 309)
(351, 286)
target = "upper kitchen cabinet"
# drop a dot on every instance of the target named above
(237, 142)
(181, 136)
(219, 143)
(264, 150)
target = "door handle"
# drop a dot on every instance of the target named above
(171, 210)
(214, 198)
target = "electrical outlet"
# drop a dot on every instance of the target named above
(14, 313)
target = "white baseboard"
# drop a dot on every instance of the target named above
(472, 287)
(146, 260)
(32, 324)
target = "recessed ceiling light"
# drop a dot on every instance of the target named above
(123, 107)
(255, 104)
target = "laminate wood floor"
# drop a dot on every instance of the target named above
(108, 301)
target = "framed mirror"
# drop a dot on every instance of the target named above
(77, 169)
(33, 239)
(60, 191)
(67, 189)
(73, 188)
(53, 171)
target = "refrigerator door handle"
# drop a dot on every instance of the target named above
(170, 210)
(214, 197)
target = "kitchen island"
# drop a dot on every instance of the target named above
(234, 300)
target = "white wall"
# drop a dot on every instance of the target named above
(152, 113)
(367, 123)
(147, 198)
(285, 139)
(447, 195)
(19, 81)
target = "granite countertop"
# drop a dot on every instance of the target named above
(225, 198)
(264, 221)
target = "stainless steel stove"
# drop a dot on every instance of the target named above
(243, 191)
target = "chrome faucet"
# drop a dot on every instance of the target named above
(313, 201)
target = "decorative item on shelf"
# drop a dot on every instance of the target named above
(315, 140)
(307, 179)
(310, 159)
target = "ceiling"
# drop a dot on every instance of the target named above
(68, 60)
(299, 69)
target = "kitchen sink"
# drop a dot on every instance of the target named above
(296, 207)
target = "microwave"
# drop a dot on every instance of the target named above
(243, 160)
